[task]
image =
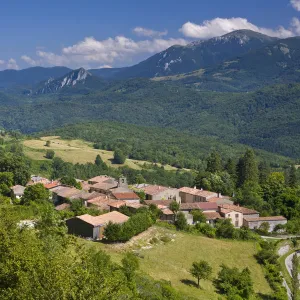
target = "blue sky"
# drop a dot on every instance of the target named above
(118, 33)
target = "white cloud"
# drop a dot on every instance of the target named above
(2, 62)
(12, 64)
(140, 31)
(29, 60)
(106, 52)
(296, 4)
(220, 26)
(105, 67)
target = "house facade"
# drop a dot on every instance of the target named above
(158, 192)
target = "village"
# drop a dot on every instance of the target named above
(111, 196)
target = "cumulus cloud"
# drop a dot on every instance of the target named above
(29, 60)
(106, 52)
(12, 64)
(140, 31)
(296, 4)
(220, 26)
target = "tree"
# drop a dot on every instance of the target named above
(198, 216)
(48, 143)
(98, 161)
(201, 270)
(295, 280)
(214, 163)
(71, 181)
(174, 207)
(181, 222)
(130, 265)
(35, 193)
(247, 168)
(50, 154)
(264, 227)
(232, 282)
(264, 171)
(230, 167)
(293, 177)
(119, 157)
(225, 229)
(6, 181)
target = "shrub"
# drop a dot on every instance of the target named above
(154, 240)
(206, 229)
(50, 154)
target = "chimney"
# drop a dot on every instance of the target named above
(195, 188)
(219, 195)
(201, 189)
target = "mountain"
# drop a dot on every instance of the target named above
(77, 81)
(196, 55)
(29, 77)
(277, 62)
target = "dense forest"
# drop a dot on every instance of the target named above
(265, 119)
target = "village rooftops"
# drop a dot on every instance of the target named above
(199, 205)
(114, 217)
(51, 185)
(167, 211)
(266, 219)
(126, 196)
(105, 185)
(101, 179)
(243, 210)
(117, 203)
(154, 189)
(159, 202)
(66, 191)
(197, 192)
(212, 215)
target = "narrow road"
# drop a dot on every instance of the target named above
(289, 263)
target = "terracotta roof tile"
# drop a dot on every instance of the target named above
(197, 192)
(199, 205)
(114, 217)
(241, 209)
(126, 196)
(212, 215)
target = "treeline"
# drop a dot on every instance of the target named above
(167, 146)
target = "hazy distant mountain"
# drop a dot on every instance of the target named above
(30, 76)
(77, 81)
(196, 55)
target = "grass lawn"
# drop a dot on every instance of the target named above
(76, 151)
(172, 261)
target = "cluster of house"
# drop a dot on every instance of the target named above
(109, 195)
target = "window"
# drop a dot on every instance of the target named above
(237, 215)
(236, 223)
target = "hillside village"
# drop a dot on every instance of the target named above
(110, 196)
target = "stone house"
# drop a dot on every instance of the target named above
(255, 223)
(190, 195)
(158, 192)
(17, 191)
(93, 227)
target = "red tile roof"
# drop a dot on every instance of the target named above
(154, 189)
(62, 206)
(51, 185)
(212, 215)
(117, 203)
(196, 192)
(126, 196)
(159, 202)
(199, 205)
(167, 211)
(241, 209)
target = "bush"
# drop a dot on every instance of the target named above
(206, 229)
(154, 240)
(181, 223)
(50, 154)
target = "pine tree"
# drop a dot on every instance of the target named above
(264, 171)
(247, 168)
(293, 177)
(214, 163)
(98, 160)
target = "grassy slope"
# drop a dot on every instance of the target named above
(74, 151)
(172, 261)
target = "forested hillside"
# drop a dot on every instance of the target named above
(265, 119)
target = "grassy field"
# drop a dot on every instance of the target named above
(76, 151)
(172, 261)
